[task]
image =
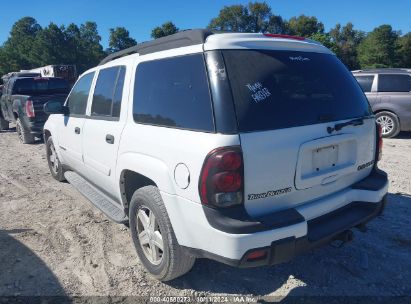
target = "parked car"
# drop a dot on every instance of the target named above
(243, 148)
(389, 93)
(23, 100)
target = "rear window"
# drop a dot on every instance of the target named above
(365, 82)
(394, 83)
(173, 92)
(37, 86)
(283, 89)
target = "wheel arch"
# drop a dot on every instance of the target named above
(137, 170)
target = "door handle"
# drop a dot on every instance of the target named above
(110, 139)
(77, 130)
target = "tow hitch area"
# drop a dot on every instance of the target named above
(342, 238)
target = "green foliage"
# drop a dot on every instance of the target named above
(256, 17)
(325, 39)
(305, 26)
(30, 46)
(166, 29)
(346, 40)
(120, 39)
(405, 51)
(379, 49)
(16, 51)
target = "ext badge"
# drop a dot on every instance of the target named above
(268, 193)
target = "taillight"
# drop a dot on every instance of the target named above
(284, 36)
(29, 108)
(379, 143)
(222, 178)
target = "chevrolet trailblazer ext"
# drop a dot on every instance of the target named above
(243, 148)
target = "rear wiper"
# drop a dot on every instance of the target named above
(338, 127)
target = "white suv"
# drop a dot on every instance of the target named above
(243, 148)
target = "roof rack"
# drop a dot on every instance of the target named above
(180, 39)
(383, 70)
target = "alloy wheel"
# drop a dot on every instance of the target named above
(149, 235)
(386, 123)
(54, 161)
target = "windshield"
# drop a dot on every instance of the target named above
(37, 86)
(283, 89)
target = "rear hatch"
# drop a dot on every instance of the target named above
(41, 90)
(288, 105)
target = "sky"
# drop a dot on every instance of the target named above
(140, 17)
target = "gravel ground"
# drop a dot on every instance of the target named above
(53, 242)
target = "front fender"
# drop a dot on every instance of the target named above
(152, 168)
(52, 127)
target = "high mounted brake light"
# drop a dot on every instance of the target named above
(284, 36)
(222, 179)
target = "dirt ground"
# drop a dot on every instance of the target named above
(53, 242)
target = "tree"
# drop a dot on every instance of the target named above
(276, 25)
(305, 26)
(120, 39)
(256, 17)
(165, 29)
(405, 51)
(91, 51)
(231, 18)
(346, 40)
(17, 48)
(380, 48)
(325, 39)
(49, 47)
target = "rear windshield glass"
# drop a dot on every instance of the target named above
(37, 86)
(283, 89)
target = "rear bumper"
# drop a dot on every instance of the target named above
(228, 238)
(36, 127)
(321, 231)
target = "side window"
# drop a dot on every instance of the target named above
(77, 101)
(108, 92)
(173, 92)
(394, 83)
(365, 82)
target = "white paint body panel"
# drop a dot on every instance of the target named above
(272, 160)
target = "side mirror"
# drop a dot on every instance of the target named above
(55, 107)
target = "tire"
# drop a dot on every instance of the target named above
(171, 262)
(23, 134)
(4, 124)
(389, 122)
(55, 166)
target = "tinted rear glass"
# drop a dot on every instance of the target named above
(173, 92)
(283, 89)
(37, 86)
(394, 83)
(365, 82)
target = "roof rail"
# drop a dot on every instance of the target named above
(383, 70)
(180, 39)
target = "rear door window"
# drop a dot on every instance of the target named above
(394, 83)
(283, 89)
(77, 100)
(365, 82)
(173, 92)
(108, 93)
